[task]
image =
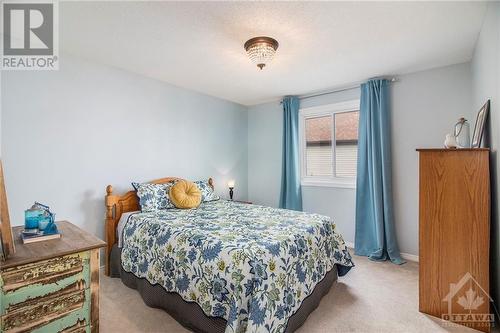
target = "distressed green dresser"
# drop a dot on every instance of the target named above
(52, 286)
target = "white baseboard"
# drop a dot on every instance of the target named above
(406, 256)
(410, 257)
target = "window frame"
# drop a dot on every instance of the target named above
(323, 111)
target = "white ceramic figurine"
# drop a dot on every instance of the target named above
(450, 141)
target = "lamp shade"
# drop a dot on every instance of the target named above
(230, 183)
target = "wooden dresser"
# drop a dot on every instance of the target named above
(52, 286)
(454, 237)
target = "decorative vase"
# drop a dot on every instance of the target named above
(462, 133)
(31, 218)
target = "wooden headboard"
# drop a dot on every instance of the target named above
(116, 205)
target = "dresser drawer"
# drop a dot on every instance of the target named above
(47, 296)
(43, 272)
(69, 304)
(35, 280)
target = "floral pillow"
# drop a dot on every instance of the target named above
(153, 196)
(207, 192)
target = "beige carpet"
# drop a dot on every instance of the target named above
(372, 297)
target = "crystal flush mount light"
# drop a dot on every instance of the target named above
(261, 50)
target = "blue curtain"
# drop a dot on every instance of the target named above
(375, 235)
(291, 196)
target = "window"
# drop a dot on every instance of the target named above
(329, 144)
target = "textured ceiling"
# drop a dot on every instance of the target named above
(323, 45)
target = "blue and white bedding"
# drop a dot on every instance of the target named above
(249, 264)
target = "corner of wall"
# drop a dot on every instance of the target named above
(485, 69)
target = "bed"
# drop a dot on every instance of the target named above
(225, 266)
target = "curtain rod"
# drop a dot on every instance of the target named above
(354, 86)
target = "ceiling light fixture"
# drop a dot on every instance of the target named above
(261, 50)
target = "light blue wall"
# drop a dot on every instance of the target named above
(486, 85)
(425, 106)
(67, 134)
(264, 153)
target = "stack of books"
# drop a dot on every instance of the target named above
(35, 235)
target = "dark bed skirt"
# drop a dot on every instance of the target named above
(190, 314)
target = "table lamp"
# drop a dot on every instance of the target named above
(230, 184)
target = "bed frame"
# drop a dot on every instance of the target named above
(116, 205)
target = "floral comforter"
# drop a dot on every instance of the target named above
(249, 264)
